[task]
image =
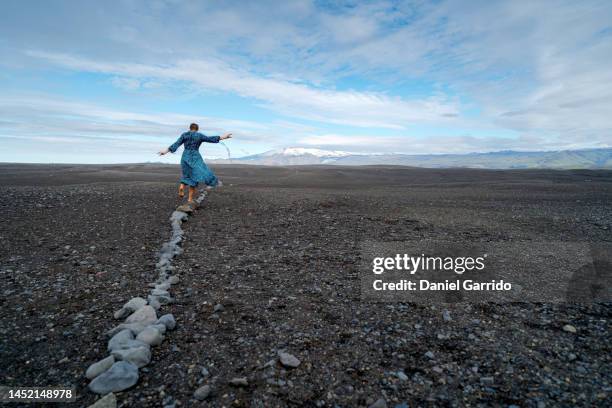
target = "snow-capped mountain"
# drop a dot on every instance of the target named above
(564, 159)
(294, 156)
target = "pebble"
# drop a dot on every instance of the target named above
(107, 401)
(569, 328)
(139, 356)
(168, 321)
(380, 403)
(288, 360)
(446, 316)
(429, 355)
(98, 368)
(174, 279)
(205, 373)
(202, 393)
(151, 336)
(487, 380)
(239, 382)
(121, 376)
(401, 375)
(218, 308)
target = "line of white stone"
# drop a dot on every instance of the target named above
(131, 341)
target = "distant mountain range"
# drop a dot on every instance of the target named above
(564, 159)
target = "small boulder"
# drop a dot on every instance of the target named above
(107, 401)
(168, 321)
(138, 356)
(121, 376)
(98, 368)
(135, 303)
(145, 316)
(122, 337)
(151, 335)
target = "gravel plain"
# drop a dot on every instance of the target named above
(268, 306)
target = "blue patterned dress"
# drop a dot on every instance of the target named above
(192, 165)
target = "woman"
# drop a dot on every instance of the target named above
(192, 165)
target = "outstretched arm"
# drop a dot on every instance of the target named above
(172, 148)
(215, 139)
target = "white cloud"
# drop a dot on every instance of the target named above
(365, 109)
(441, 143)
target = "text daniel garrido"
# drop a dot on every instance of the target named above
(413, 264)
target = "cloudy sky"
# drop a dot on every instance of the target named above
(92, 81)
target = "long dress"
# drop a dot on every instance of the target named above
(192, 165)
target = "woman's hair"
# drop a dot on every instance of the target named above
(194, 126)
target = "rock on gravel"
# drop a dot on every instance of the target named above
(288, 360)
(98, 368)
(569, 328)
(151, 335)
(202, 393)
(121, 376)
(139, 356)
(145, 315)
(135, 303)
(168, 321)
(154, 302)
(121, 313)
(239, 382)
(120, 338)
(107, 401)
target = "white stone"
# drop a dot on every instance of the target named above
(121, 376)
(150, 335)
(145, 316)
(98, 368)
(160, 327)
(139, 356)
(119, 338)
(107, 401)
(288, 360)
(160, 292)
(168, 321)
(135, 303)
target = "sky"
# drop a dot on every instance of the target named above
(114, 82)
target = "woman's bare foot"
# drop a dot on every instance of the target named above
(182, 190)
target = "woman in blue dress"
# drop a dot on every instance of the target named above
(192, 165)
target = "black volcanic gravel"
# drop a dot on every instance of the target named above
(279, 249)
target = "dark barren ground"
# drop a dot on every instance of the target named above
(279, 249)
